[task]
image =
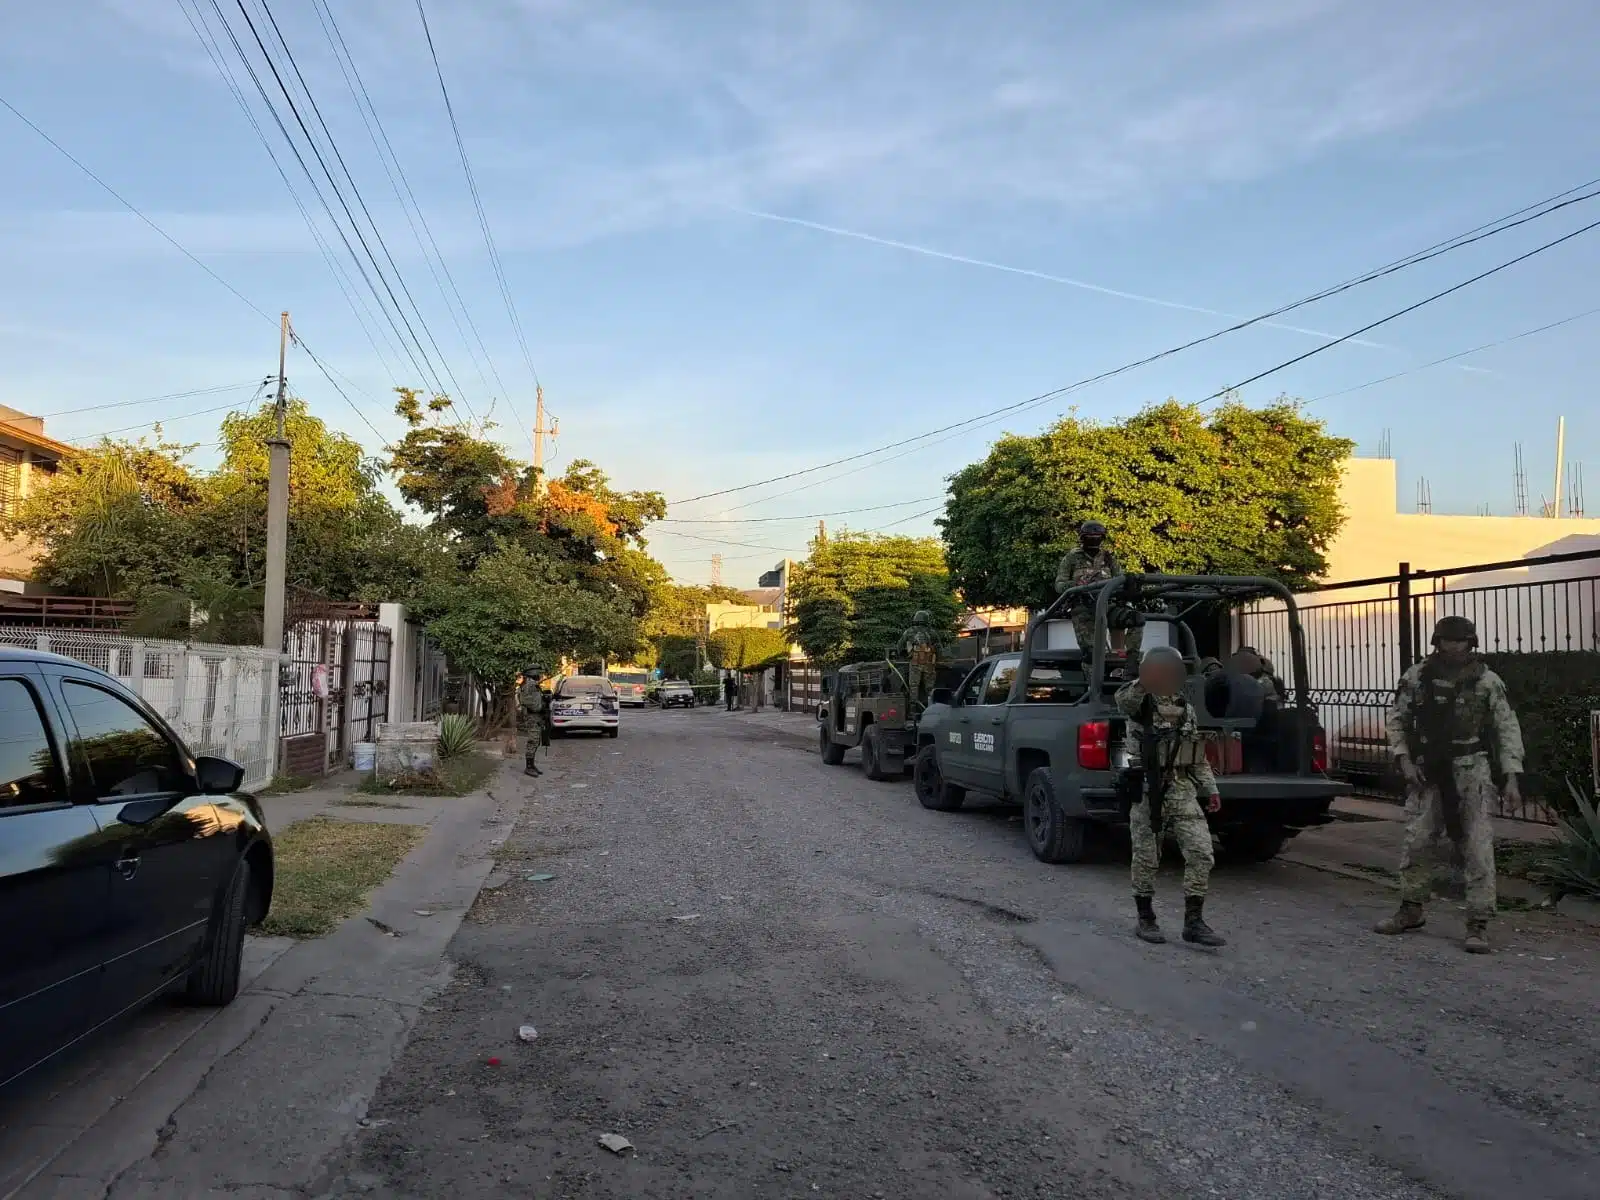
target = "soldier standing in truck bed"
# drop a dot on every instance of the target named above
(1091, 562)
(1449, 713)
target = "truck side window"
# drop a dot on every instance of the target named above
(972, 689)
(999, 687)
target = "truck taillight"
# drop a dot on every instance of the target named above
(1319, 751)
(1225, 754)
(1094, 745)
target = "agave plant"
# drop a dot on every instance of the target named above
(1570, 864)
(458, 734)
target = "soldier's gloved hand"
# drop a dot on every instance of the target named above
(1410, 773)
(1214, 803)
(1512, 792)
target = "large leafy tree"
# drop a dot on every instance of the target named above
(856, 594)
(1232, 491)
(751, 648)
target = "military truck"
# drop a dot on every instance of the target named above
(1039, 726)
(869, 704)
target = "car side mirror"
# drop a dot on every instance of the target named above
(217, 776)
(942, 696)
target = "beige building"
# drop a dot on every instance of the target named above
(27, 459)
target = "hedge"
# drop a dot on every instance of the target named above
(1553, 695)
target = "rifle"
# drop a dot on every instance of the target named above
(1155, 779)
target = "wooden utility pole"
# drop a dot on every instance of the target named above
(277, 506)
(539, 432)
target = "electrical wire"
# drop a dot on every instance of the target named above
(1511, 221)
(180, 247)
(206, 391)
(1461, 354)
(477, 203)
(842, 512)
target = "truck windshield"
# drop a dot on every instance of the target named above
(629, 677)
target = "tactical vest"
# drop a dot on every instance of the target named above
(531, 697)
(1449, 716)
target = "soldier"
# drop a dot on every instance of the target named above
(1247, 660)
(1166, 742)
(535, 709)
(1092, 563)
(1449, 712)
(923, 653)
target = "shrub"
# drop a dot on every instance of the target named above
(1553, 694)
(458, 734)
(1571, 863)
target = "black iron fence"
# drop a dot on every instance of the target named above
(1357, 648)
(334, 686)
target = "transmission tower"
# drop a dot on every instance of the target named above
(1519, 481)
(1424, 496)
(1575, 502)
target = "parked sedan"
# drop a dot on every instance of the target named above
(584, 702)
(675, 695)
(128, 866)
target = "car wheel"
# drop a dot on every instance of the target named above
(215, 978)
(1053, 836)
(613, 731)
(832, 752)
(932, 791)
(872, 754)
(1254, 843)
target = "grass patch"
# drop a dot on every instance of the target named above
(287, 785)
(327, 868)
(452, 777)
(354, 803)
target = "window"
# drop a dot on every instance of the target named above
(127, 755)
(28, 771)
(1053, 685)
(972, 689)
(999, 688)
(10, 480)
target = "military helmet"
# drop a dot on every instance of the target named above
(1455, 629)
(1165, 654)
(922, 617)
(1091, 533)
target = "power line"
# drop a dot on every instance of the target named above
(1461, 354)
(1490, 229)
(477, 203)
(398, 180)
(177, 245)
(206, 391)
(842, 512)
(1410, 308)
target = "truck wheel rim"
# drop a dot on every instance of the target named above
(1038, 819)
(927, 777)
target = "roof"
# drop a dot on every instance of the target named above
(763, 596)
(29, 430)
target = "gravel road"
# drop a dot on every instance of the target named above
(775, 978)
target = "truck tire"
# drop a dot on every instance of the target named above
(832, 752)
(613, 731)
(932, 791)
(1254, 843)
(214, 981)
(1053, 836)
(872, 754)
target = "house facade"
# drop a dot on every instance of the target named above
(28, 458)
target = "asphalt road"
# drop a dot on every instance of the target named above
(775, 978)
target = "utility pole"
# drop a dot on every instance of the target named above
(1561, 450)
(277, 506)
(539, 432)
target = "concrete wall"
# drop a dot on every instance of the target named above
(724, 615)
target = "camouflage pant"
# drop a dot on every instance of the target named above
(1426, 835)
(1083, 627)
(919, 679)
(1182, 817)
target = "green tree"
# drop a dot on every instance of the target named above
(1233, 491)
(752, 648)
(856, 593)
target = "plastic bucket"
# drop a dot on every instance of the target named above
(365, 757)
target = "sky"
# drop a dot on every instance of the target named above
(742, 239)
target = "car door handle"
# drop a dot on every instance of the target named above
(128, 865)
(997, 720)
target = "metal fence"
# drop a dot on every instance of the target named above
(1357, 648)
(222, 700)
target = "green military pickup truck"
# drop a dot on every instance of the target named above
(1039, 727)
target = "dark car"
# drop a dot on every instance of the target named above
(128, 866)
(675, 695)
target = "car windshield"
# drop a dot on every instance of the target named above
(584, 685)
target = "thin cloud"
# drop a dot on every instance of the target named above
(1065, 280)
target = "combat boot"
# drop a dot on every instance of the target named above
(1195, 928)
(1409, 916)
(1148, 930)
(1477, 939)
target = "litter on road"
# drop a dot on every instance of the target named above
(687, 917)
(615, 1143)
(528, 1033)
(542, 877)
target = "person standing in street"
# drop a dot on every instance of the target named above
(1091, 562)
(1166, 743)
(730, 690)
(1450, 714)
(535, 709)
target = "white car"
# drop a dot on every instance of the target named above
(584, 702)
(630, 686)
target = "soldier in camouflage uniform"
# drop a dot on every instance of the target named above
(922, 651)
(1449, 712)
(1160, 715)
(534, 708)
(1091, 562)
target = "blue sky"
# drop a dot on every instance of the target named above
(634, 160)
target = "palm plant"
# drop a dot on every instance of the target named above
(458, 734)
(1570, 864)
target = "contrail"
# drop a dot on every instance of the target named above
(1066, 280)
